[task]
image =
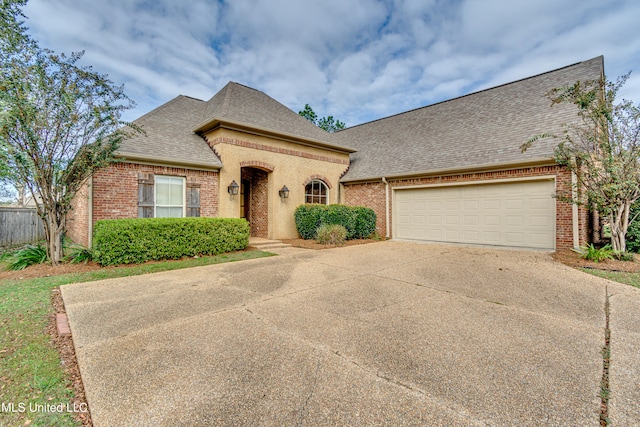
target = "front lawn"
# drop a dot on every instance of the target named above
(632, 279)
(31, 372)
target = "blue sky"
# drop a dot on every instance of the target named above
(358, 60)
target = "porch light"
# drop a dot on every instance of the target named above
(284, 192)
(233, 188)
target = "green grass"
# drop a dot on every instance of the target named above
(632, 279)
(30, 367)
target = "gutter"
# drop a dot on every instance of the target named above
(163, 161)
(90, 213)
(386, 201)
(575, 215)
(481, 168)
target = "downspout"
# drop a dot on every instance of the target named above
(90, 212)
(575, 217)
(386, 201)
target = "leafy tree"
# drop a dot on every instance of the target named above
(603, 151)
(59, 122)
(327, 123)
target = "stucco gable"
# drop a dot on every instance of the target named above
(242, 108)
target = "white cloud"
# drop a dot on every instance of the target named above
(357, 61)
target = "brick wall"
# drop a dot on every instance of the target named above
(115, 194)
(372, 195)
(258, 201)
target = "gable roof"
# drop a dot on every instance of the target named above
(475, 131)
(169, 138)
(240, 107)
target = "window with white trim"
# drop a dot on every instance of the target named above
(316, 191)
(163, 196)
(169, 197)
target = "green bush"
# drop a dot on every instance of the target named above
(360, 222)
(308, 218)
(591, 253)
(30, 255)
(623, 256)
(633, 232)
(125, 241)
(331, 234)
(365, 225)
(75, 254)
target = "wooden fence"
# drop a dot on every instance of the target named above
(20, 225)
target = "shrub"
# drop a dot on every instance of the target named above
(591, 253)
(623, 256)
(124, 241)
(331, 234)
(633, 232)
(30, 255)
(308, 218)
(75, 254)
(365, 222)
(360, 222)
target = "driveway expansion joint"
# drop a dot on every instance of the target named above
(303, 409)
(605, 392)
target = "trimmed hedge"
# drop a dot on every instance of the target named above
(633, 232)
(126, 241)
(359, 221)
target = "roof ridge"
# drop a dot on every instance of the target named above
(165, 105)
(600, 57)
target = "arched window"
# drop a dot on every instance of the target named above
(316, 191)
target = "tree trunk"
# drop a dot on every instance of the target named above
(596, 235)
(619, 223)
(54, 228)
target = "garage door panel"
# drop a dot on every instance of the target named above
(520, 214)
(492, 220)
(491, 237)
(515, 220)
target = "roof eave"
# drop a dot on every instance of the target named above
(165, 161)
(217, 123)
(488, 167)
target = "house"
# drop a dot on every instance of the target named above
(448, 172)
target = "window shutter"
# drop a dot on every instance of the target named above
(193, 199)
(145, 195)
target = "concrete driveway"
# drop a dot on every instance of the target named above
(388, 333)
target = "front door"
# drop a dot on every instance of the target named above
(245, 199)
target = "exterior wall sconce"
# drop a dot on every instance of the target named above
(233, 188)
(284, 192)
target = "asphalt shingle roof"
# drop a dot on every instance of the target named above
(475, 130)
(169, 137)
(241, 104)
(172, 130)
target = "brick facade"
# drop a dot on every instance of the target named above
(115, 194)
(213, 142)
(258, 201)
(371, 194)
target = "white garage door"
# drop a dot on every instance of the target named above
(515, 214)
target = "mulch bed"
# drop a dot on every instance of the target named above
(573, 259)
(312, 244)
(64, 345)
(46, 270)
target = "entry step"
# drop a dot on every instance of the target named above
(265, 244)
